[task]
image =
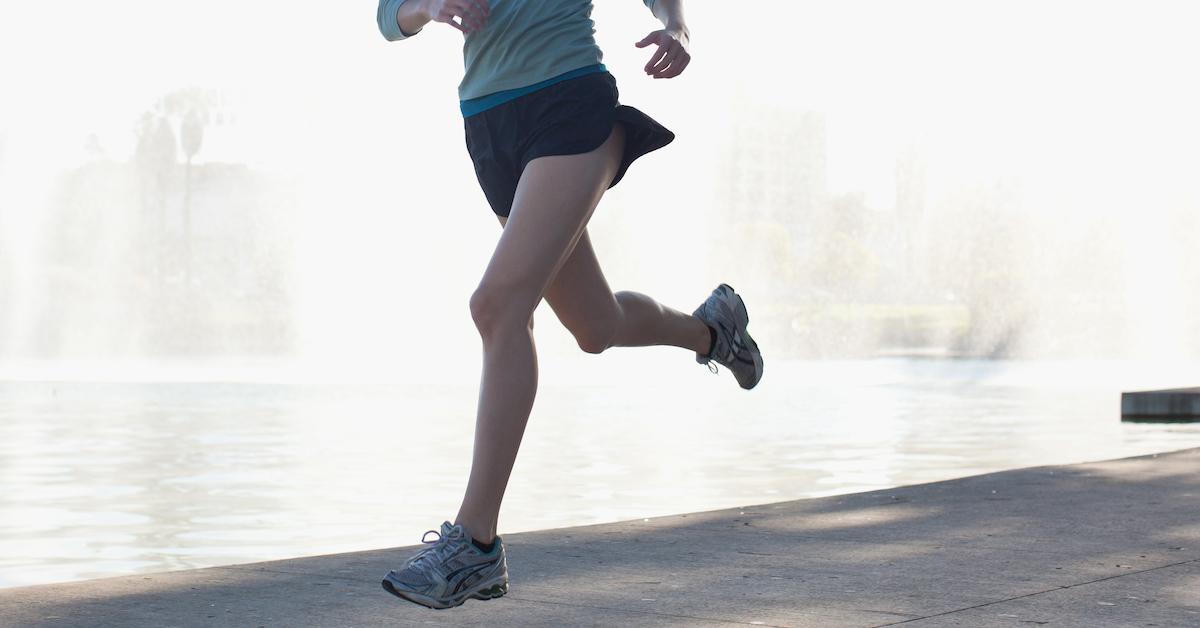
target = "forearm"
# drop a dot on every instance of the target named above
(399, 19)
(412, 16)
(670, 13)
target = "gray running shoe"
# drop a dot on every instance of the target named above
(450, 571)
(725, 312)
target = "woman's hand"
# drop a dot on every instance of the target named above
(672, 55)
(472, 14)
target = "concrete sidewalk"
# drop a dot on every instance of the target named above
(1105, 544)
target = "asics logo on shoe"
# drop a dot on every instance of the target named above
(739, 348)
(467, 572)
(469, 581)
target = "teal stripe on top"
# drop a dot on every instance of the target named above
(483, 103)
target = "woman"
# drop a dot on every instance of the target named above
(547, 138)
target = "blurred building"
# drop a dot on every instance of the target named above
(772, 188)
(909, 232)
(775, 168)
(771, 195)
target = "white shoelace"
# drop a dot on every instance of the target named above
(434, 551)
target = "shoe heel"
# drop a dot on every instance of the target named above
(492, 592)
(740, 311)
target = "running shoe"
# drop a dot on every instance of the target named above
(450, 571)
(734, 349)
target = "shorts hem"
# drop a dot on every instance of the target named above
(643, 135)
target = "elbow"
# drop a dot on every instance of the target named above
(385, 18)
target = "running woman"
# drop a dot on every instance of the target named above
(547, 138)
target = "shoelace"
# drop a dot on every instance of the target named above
(434, 549)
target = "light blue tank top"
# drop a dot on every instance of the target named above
(524, 44)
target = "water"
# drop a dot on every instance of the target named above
(103, 479)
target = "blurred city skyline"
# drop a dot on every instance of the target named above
(879, 178)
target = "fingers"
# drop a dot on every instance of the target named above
(478, 11)
(656, 57)
(671, 57)
(668, 53)
(673, 64)
(472, 14)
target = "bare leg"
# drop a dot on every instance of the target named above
(599, 319)
(584, 303)
(555, 198)
(645, 322)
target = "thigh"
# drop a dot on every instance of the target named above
(579, 294)
(555, 198)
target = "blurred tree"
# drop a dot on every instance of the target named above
(981, 255)
(154, 157)
(92, 147)
(190, 110)
(842, 262)
(193, 108)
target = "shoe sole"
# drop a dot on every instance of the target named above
(494, 588)
(742, 317)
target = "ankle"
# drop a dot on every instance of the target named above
(486, 548)
(481, 534)
(712, 341)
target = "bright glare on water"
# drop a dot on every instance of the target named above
(103, 479)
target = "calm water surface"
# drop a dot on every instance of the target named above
(103, 479)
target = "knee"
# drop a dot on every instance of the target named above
(485, 310)
(491, 311)
(597, 337)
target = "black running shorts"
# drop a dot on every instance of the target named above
(566, 118)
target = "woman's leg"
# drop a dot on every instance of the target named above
(599, 319)
(586, 306)
(555, 198)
